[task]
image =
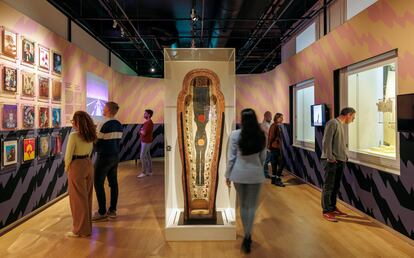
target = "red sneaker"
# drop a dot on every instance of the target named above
(340, 213)
(330, 216)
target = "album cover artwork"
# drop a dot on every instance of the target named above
(29, 149)
(9, 116)
(28, 117)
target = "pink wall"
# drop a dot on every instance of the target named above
(134, 94)
(384, 26)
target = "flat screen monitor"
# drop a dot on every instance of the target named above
(319, 115)
(405, 113)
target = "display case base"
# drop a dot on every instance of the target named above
(225, 229)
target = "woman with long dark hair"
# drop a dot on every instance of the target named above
(246, 154)
(79, 168)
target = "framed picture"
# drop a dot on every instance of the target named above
(9, 43)
(57, 63)
(56, 117)
(56, 90)
(43, 117)
(9, 152)
(9, 80)
(44, 58)
(44, 146)
(28, 52)
(56, 148)
(28, 87)
(9, 116)
(43, 87)
(28, 115)
(29, 149)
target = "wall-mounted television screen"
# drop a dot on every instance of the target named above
(405, 113)
(319, 115)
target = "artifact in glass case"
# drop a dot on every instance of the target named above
(200, 115)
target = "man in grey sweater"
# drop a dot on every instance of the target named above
(334, 151)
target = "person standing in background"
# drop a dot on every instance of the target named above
(246, 153)
(265, 125)
(79, 169)
(106, 165)
(334, 153)
(146, 139)
(275, 147)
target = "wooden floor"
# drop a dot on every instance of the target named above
(288, 224)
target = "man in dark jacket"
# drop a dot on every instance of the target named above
(106, 166)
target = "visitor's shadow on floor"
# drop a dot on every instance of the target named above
(293, 181)
(358, 220)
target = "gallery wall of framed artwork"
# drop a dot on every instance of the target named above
(31, 92)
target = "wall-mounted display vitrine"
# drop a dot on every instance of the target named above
(199, 116)
(370, 87)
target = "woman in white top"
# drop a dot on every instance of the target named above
(79, 168)
(246, 154)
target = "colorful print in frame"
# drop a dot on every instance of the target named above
(9, 43)
(29, 149)
(9, 152)
(28, 117)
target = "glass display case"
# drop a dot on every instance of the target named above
(370, 88)
(199, 115)
(304, 98)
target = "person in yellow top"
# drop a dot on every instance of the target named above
(79, 168)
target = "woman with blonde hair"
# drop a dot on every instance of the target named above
(79, 168)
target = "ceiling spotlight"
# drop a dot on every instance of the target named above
(114, 24)
(122, 32)
(152, 70)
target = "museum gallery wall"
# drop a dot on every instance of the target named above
(31, 169)
(384, 26)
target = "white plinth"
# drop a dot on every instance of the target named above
(227, 231)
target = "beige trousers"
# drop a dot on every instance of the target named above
(80, 181)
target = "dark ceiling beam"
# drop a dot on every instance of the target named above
(137, 33)
(264, 34)
(188, 19)
(185, 37)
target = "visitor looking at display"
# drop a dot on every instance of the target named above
(265, 125)
(106, 165)
(334, 152)
(146, 139)
(246, 154)
(79, 169)
(275, 147)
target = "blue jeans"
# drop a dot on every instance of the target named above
(106, 167)
(248, 195)
(266, 164)
(333, 176)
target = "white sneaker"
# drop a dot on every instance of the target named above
(141, 175)
(149, 174)
(71, 234)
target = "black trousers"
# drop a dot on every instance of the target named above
(333, 176)
(106, 167)
(276, 160)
